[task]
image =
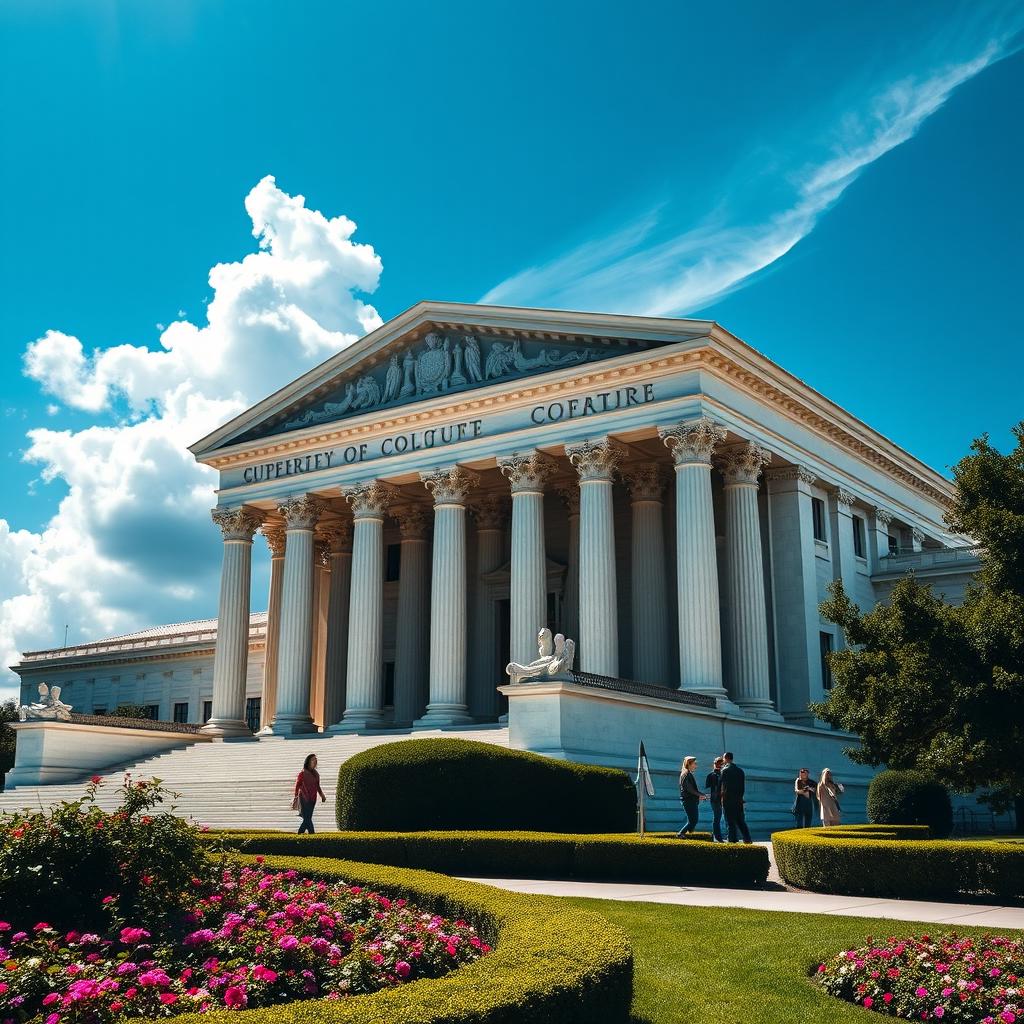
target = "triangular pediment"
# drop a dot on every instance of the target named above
(438, 350)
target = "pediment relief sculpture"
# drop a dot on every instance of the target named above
(444, 362)
(554, 660)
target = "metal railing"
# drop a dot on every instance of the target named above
(596, 682)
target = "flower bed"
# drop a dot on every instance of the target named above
(261, 939)
(945, 977)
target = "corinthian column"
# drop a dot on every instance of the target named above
(570, 495)
(595, 462)
(447, 704)
(231, 656)
(491, 513)
(338, 535)
(296, 644)
(700, 633)
(275, 536)
(646, 483)
(413, 601)
(528, 605)
(364, 691)
(748, 620)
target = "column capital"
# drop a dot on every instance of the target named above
(882, 516)
(369, 499)
(789, 473)
(412, 521)
(450, 485)
(595, 458)
(275, 534)
(236, 523)
(337, 533)
(646, 481)
(490, 512)
(301, 512)
(693, 441)
(743, 464)
(526, 471)
(917, 535)
(570, 495)
(845, 497)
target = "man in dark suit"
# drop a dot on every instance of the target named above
(733, 791)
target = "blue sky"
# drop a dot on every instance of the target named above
(837, 184)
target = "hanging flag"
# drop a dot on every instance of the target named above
(643, 771)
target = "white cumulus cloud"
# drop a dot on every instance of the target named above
(131, 543)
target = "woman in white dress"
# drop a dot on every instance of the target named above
(828, 798)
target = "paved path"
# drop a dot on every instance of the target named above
(766, 899)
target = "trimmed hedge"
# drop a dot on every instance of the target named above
(620, 858)
(548, 961)
(889, 861)
(905, 797)
(417, 785)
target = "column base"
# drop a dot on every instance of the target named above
(442, 716)
(227, 728)
(761, 710)
(360, 720)
(721, 695)
(300, 725)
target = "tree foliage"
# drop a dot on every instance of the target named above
(941, 688)
(8, 713)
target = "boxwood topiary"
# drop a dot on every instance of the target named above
(418, 785)
(906, 797)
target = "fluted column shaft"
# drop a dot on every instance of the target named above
(528, 585)
(411, 649)
(748, 619)
(292, 715)
(649, 589)
(340, 539)
(484, 700)
(276, 542)
(571, 598)
(595, 461)
(448, 636)
(700, 633)
(364, 691)
(231, 655)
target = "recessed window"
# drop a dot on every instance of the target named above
(894, 545)
(392, 563)
(207, 711)
(858, 536)
(181, 712)
(825, 643)
(253, 710)
(818, 516)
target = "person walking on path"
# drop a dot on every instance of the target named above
(714, 787)
(307, 788)
(828, 798)
(803, 802)
(734, 788)
(690, 794)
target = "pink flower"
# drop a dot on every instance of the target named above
(49, 999)
(261, 973)
(96, 780)
(287, 942)
(53, 1018)
(1007, 1017)
(167, 998)
(402, 969)
(235, 996)
(868, 1002)
(3, 989)
(887, 998)
(939, 1011)
(920, 992)
(133, 935)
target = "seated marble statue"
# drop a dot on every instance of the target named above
(556, 658)
(49, 707)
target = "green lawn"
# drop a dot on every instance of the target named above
(696, 965)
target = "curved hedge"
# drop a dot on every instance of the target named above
(417, 785)
(906, 797)
(548, 961)
(889, 861)
(619, 858)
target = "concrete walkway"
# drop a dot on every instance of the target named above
(765, 899)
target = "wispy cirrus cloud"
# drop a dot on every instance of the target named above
(637, 269)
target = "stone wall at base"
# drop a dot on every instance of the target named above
(606, 727)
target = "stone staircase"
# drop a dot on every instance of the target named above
(240, 783)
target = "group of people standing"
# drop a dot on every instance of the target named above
(725, 787)
(726, 790)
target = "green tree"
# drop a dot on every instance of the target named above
(931, 686)
(8, 713)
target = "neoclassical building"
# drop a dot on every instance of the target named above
(656, 489)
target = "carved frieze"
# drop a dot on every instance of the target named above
(445, 362)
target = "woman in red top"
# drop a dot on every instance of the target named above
(307, 787)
